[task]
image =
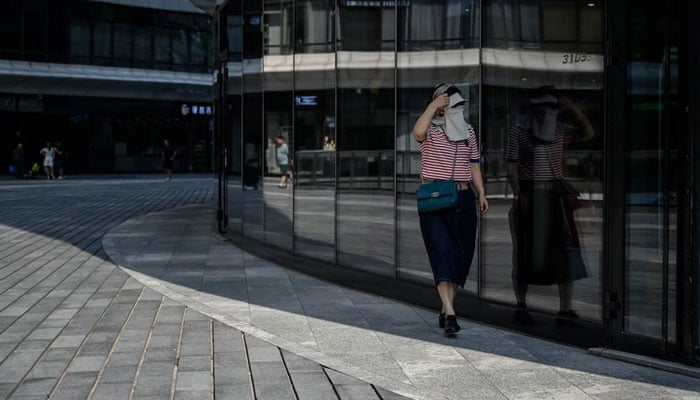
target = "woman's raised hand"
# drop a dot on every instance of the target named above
(440, 102)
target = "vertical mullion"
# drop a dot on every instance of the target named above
(261, 152)
(396, 111)
(479, 280)
(614, 213)
(292, 46)
(667, 180)
(336, 162)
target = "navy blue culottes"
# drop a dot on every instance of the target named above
(450, 238)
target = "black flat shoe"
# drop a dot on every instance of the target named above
(441, 321)
(451, 326)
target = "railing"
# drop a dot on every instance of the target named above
(374, 170)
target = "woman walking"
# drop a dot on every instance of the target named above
(49, 153)
(449, 152)
(282, 156)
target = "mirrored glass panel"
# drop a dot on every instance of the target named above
(253, 149)
(651, 158)
(542, 155)
(233, 142)
(278, 124)
(365, 146)
(315, 130)
(233, 129)
(437, 43)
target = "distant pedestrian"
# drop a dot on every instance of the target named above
(282, 154)
(58, 160)
(49, 152)
(18, 161)
(169, 155)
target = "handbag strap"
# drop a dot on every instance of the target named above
(454, 162)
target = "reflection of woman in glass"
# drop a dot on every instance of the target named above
(449, 149)
(547, 249)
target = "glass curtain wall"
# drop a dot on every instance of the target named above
(652, 172)
(278, 123)
(233, 128)
(340, 84)
(315, 133)
(437, 42)
(542, 155)
(252, 121)
(365, 202)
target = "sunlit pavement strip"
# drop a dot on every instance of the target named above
(74, 326)
(386, 343)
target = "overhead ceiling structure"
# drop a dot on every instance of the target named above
(208, 6)
(167, 5)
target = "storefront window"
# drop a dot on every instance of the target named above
(314, 130)
(122, 42)
(79, 39)
(365, 143)
(278, 125)
(180, 47)
(652, 171)
(142, 46)
(438, 43)
(254, 141)
(162, 47)
(35, 34)
(199, 45)
(542, 154)
(102, 46)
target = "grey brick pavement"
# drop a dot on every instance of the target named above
(390, 344)
(74, 326)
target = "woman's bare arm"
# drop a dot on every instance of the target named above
(478, 182)
(421, 126)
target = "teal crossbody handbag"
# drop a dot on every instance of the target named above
(439, 195)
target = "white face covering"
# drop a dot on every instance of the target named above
(544, 123)
(452, 122)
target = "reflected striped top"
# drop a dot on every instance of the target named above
(438, 153)
(538, 160)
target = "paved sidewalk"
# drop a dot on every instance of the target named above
(383, 342)
(75, 326)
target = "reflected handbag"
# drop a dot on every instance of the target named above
(569, 196)
(437, 195)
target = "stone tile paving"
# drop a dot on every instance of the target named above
(75, 326)
(393, 345)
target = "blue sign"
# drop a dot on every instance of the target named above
(306, 100)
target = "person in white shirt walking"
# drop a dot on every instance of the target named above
(49, 152)
(282, 154)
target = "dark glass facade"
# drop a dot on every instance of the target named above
(344, 81)
(108, 81)
(95, 33)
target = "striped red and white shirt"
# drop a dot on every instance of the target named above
(438, 156)
(537, 160)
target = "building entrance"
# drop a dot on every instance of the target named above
(645, 305)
